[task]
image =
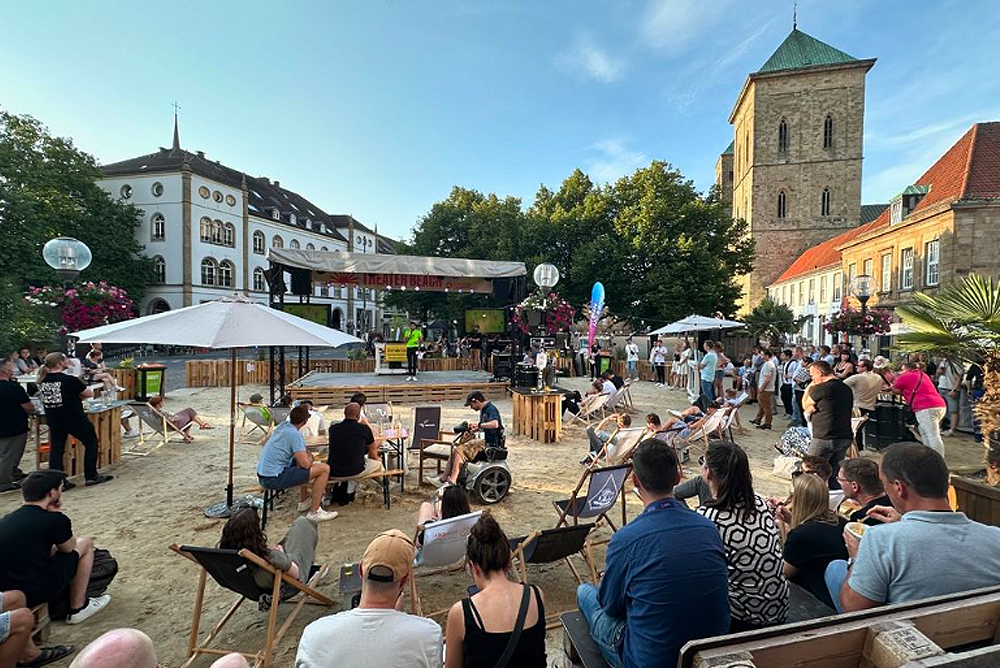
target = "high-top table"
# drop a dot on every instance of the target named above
(537, 414)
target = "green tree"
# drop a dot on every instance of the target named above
(47, 189)
(772, 320)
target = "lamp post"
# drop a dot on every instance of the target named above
(68, 256)
(861, 287)
(546, 276)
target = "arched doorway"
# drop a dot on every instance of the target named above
(157, 306)
(337, 318)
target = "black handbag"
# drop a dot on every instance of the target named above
(909, 416)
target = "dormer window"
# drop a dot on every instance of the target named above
(291, 218)
(275, 214)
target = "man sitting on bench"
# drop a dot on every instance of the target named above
(285, 463)
(353, 448)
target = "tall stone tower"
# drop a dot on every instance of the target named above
(798, 127)
(724, 176)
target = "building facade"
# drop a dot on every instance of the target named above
(208, 228)
(796, 155)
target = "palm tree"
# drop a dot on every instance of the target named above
(962, 324)
(772, 320)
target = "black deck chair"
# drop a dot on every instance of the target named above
(606, 485)
(550, 545)
(233, 570)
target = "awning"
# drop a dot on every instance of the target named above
(436, 274)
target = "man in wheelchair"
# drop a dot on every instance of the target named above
(468, 448)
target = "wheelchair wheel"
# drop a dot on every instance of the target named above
(492, 485)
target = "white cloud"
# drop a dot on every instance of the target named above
(613, 159)
(671, 25)
(591, 61)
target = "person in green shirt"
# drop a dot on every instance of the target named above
(412, 336)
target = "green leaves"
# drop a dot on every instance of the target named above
(771, 320)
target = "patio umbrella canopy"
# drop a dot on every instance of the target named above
(696, 323)
(229, 322)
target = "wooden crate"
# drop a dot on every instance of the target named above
(125, 378)
(979, 501)
(538, 416)
(107, 425)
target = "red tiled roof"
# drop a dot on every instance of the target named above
(970, 169)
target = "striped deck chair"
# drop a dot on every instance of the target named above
(590, 409)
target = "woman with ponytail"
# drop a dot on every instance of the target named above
(483, 630)
(758, 591)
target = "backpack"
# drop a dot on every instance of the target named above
(104, 571)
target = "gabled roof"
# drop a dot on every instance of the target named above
(870, 212)
(800, 50)
(729, 149)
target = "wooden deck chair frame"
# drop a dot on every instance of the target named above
(166, 432)
(261, 659)
(574, 498)
(613, 401)
(591, 405)
(625, 448)
(415, 606)
(713, 425)
(627, 394)
(521, 560)
(245, 433)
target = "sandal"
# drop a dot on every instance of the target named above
(48, 655)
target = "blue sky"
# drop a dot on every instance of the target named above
(377, 108)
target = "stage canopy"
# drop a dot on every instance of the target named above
(397, 272)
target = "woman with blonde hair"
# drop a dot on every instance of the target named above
(814, 535)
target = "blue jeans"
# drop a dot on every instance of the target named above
(708, 389)
(631, 369)
(836, 573)
(606, 630)
(797, 419)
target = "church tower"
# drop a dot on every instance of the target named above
(798, 127)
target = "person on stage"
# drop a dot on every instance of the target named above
(413, 337)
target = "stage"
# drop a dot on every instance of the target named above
(325, 388)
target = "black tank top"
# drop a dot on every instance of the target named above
(483, 649)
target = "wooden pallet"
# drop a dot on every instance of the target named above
(538, 416)
(410, 393)
(979, 501)
(107, 425)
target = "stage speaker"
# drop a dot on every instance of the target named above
(275, 277)
(301, 282)
(505, 290)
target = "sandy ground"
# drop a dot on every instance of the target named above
(159, 499)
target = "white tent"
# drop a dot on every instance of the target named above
(230, 322)
(696, 323)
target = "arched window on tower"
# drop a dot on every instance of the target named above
(824, 202)
(208, 271)
(828, 132)
(160, 269)
(783, 136)
(782, 203)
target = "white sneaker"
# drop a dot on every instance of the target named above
(132, 434)
(94, 605)
(305, 505)
(320, 515)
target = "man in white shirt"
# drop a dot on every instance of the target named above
(767, 381)
(316, 425)
(376, 634)
(631, 358)
(866, 386)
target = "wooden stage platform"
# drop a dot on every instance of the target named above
(336, 388)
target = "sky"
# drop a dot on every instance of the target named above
(376, 108)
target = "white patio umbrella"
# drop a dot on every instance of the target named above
(229, 322)
(696, 323)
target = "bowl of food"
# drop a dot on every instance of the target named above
(857, 529)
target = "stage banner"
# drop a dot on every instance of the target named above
(408, 282)
(394, 352)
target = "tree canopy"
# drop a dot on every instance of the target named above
(47, 189)
(662, 249)
(772, 320)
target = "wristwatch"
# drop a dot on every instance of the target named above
(850, 562)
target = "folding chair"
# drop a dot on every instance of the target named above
(605, 486)
(444, 547)
(233, 570)
(619, 447)
(551, 545)
(260, 418)
(163, 428)
(590, 407)
(627, 394)
(428, 439)
(279, 414)
(712, 425)
(614, 399)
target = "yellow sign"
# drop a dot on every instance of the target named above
(394, 352)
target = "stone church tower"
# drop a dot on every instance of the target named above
(798, 127)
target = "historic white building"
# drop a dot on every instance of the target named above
(208, 228)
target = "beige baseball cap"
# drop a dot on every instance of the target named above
(391, 550)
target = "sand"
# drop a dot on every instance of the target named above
(159, 499)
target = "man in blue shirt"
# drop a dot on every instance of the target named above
(285, 463)
(666, 580)
(707, 373)
(491, 427)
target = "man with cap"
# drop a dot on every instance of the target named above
(491, 427)
(376, 633)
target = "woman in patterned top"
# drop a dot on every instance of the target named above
(758, 591)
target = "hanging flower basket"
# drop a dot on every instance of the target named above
(86, 305)
(558, 314)
(850, 321)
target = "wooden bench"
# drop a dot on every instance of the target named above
(383, 475)
(41, 629)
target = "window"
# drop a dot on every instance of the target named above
(229, 235)
(324, 290)
(258, 279)
(291, 218)
(324, 248)
(217, 196)
(157, 227)
(802, 293)
(812, 290)
(276, 242)
(932, 257)
(258, 242)
(791, 295)
(782, 203)
(822, 289)
(126, 191)
(828, 132)
(783, 136)
(208, 268)
(838, 284)
(867, 267)
(226, 274)
(159, 269)
(217, 231)
(310, 247)
(157, 189)
(906, 269)
(824, 202)
(885, 285)
(784, 294)
(230, 200)
(206, 229)
(294, 243)
(896, 211)
(275, 214)
(204, 192)
(338, 292)
(852, 271)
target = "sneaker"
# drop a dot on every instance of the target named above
(94, 606)
(320, 515)
(132, 434)
(96, 481)
(10, 487)
(67, 485)
(305, 505)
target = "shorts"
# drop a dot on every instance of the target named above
(720, 373)
(292, 476)
(950, 401)
(52, 584)
(472, 449)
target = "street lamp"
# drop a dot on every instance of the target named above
(546, 276)
(862, 287)
(68, 256)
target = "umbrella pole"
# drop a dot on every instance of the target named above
(232, 426)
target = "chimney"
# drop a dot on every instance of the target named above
(277, 184)
(201, 154)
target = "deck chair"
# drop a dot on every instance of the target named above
(550, 545)
(233, 570)
(627, 394)
(625, 442)
(605, 486)
(711, 425)
(443, 548)
(614, 400)
(428, 439)
(279, 413)
(163, 429)
(260, 419)
(590, 408)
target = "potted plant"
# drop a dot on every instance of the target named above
(962, 324)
